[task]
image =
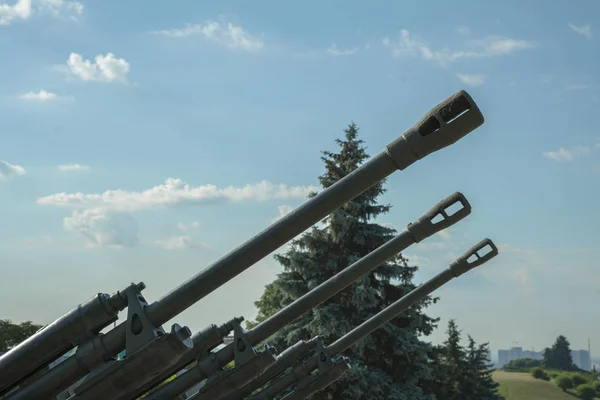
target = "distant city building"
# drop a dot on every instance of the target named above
(581, 358)
(516, 353)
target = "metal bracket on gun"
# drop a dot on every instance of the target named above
(140, 331)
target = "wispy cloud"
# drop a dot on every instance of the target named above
(20, 10)
(584, 30)
(568, 154)
(472, 79)
(179, 243)
(41, 96)
(73, 168)
(24, 9)
(104, 220)
(463, 30)
(175, 192)
(186, 227)
(335, 51)
(61, 9)
(8, 170)
(105, 68)
(491, 46)
(103, 229)
(229, 35)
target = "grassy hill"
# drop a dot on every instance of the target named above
(523, 386)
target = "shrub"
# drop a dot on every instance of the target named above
(539, 373)
(552, 375)
(564, 382)
(578, 379)
(586, 392)
(597, 387)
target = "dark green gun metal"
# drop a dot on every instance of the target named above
(150, 349)
(220, 382)
(328, 362)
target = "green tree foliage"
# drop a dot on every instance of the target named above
(463, 373)
(564, 382)
(586, 392)
(578, 379)
(391, 362)
(559, 355)
(13, 334)
(522, 364)
(539, 373)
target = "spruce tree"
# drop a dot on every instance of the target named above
(480, 370)
(453, 383)
(463, 373)
(559, 355)
(391, 362)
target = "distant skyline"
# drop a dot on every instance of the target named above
(144, 146)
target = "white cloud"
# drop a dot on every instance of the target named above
(42, 95)
(334, 51)
(571, 154)
(584, 30)
(102, 228)
(20, 10)
(229, 35)
(8, 170)
(522, 277)
(105, 68)
(488, 47)
(73, 167)
(175, 192)
(24, 9)
(472, 80)
(61, 8)
(186, 227)
(178, 243)
(463, 30)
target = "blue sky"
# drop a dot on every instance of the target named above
(141, 142)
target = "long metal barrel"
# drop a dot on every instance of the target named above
(284, 360)
(457, 268)
(417, 231)
(445, 124)
(204, 341)
(63, 334)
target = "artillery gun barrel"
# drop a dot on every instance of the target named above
(415, 232)
(204, 341)
(55, 339)
(284, 360)
(456, 269)
(442, 126)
